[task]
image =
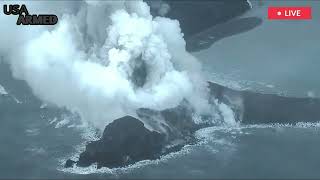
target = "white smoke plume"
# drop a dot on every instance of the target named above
(86, 62)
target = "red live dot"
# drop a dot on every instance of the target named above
(289, 13)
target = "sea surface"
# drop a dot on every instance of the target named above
(36, 138)
(35, 144)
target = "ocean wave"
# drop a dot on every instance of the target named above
(3, 90)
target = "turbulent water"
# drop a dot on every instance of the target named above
(39, 144)
(36, 136)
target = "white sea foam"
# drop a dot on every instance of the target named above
(43, 106)
(64, 122)
(36, 151)
(16, 100)
(32, 132)
(3, 90)
(51, 121)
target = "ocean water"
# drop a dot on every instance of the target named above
(36, 139)
(33, 146)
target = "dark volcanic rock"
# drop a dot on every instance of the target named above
(257, 108)
(204, 22)
(205, 39)
(195, 16)
(124, 141)
(177, 121)
(69, 163)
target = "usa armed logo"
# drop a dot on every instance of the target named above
(25, 18)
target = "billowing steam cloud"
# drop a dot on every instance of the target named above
(106, 59)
